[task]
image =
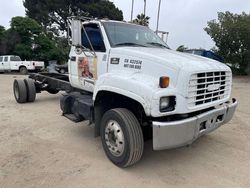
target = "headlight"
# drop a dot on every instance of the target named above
(164, 103)
(167, 104)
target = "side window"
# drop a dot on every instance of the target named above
(1, 59)
(15, 58)
(6, 58)
(95, 37)
(12, 58)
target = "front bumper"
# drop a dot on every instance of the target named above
(174, 134)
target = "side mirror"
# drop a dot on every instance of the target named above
(76, 32)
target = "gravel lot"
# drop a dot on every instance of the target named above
(41, 148)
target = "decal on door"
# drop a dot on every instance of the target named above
(114, 61)
(87, 67)
(132, 64)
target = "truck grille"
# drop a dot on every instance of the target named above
(208, 87)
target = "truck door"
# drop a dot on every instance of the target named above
(89, 64)
(1, 63)
(6, 63)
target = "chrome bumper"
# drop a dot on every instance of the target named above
(179, 133)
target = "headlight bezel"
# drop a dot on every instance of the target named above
(171, 100)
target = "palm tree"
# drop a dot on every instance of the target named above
(141, 19)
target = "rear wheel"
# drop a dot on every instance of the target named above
(31, 90)
(20, 91)
(23, 70)
(122, 137)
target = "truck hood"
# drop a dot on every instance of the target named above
(173, 59)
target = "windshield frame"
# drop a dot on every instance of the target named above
(146, 45)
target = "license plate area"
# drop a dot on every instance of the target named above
(210, 121)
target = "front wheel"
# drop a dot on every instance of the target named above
(122, 137)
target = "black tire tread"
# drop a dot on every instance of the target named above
(22, 91)
(31, 90)
(135, 134)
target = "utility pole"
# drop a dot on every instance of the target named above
(158, 17)
(145, 5)
(132, 9)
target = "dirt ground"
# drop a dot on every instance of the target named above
(41, 148)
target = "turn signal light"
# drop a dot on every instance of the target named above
(164, 82)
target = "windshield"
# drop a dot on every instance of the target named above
(123, 34)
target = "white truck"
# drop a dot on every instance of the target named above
(10, 63)
(126, 81)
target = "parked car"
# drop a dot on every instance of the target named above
(205, 53)
(62, 68)
(10, 63)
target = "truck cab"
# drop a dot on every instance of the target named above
(5, 62)
(133, 87)
(131, 63)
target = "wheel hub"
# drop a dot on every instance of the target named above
(114, 138)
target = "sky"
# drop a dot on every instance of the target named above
(183, 19)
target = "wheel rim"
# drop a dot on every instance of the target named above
(16, 91)
(114, 138)
(23, 71)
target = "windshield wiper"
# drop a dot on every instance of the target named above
(157, 44)
(129, 44)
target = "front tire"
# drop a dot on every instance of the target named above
(122, 137)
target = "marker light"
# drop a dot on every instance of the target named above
(164, 82)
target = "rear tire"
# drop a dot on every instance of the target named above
(122, 137)
(20, 91)
(31, 90)
(23, 70)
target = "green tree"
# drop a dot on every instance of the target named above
(28, 39)
(141, 19)
(26, 30)
(8, 39)
(46, 49)
(2, 29)
(2, 32)
(181, 48)
(231, 34)
(54, 13)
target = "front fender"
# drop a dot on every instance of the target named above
(136, 86)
